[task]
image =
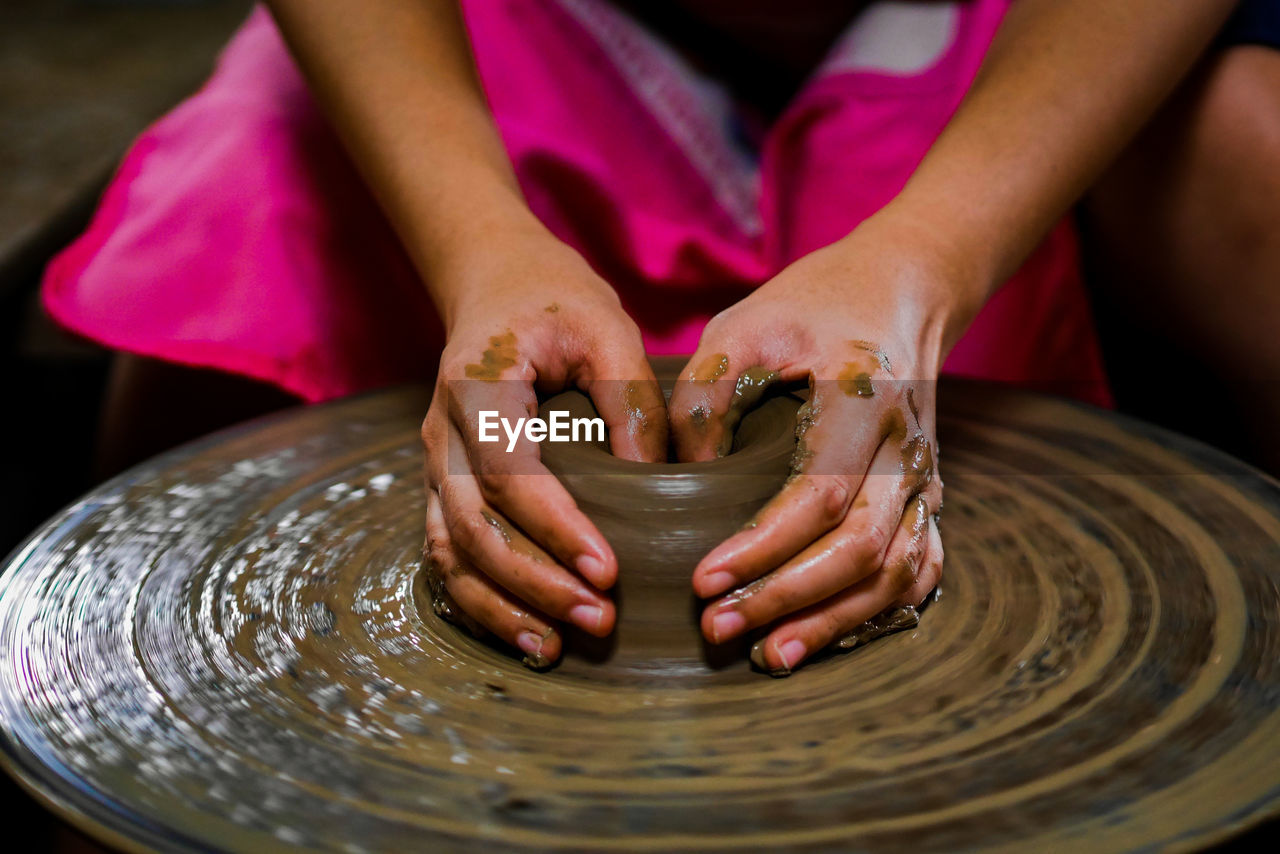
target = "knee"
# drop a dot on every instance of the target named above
(1234, 146)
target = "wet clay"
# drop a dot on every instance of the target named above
(645, 410)
(231, 648)
(515, 540)
(854, 379)
(711, 369)
(500, 355)
(661, 519)
(747, 392)
(855, 382)
(881, 357)
(915, 452)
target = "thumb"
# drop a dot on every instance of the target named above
(716, 387)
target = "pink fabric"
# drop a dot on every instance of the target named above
(237, 236)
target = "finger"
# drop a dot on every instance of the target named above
(821, 625)
(438, 560)
(854, 550)
(699, 401)
(464, 591)
(512, 478)
(627, 395)
(905, 554)
(838, 440)
(930, 567)
(499, 549)
(720, 383)
(505, 616)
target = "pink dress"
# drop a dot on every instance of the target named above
(237, 235)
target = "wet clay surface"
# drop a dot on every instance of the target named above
(225, 648)
(662, 519)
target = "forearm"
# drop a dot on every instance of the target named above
(398, 82)
(1065, 86)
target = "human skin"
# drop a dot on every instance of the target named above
(1184, 222)
(1064, 87)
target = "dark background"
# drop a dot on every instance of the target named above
(78, 80)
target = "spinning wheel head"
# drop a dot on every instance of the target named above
(223, 649)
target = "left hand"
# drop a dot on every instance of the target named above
(854, 531)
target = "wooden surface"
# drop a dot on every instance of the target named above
(228, 647)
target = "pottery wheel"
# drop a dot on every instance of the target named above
(223, 649)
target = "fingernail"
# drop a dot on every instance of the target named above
(757, 655)
(587, 616)
(716, 583)
(758, 659)
(529, 643)
(791, 653)
(727, 624)
(589, 567)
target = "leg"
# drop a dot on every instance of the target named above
(1185, 233)
(152, 406)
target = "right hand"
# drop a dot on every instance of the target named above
(508, 551)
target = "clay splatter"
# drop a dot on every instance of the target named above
(500, 356)
(712, 369)
(854, 378)
(874, 349)
(751, 386)
(516, 541)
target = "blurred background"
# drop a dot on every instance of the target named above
(79, 79)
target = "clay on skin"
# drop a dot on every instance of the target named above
(917, 461)
(536, 660)
(639, 400)
(874, 349)
(915, 453)
(751, 386)
(895, 619)
(806, 415)
(911, 404)
(515, 540)
(712, 369)
(854, 378)
(500, 355)
(444, 606)
(442, 603)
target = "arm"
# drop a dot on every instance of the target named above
(506, 552)
(869, 319)
(397, 80)
(1065, 86)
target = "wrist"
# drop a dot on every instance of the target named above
(471, 259)
(950, 273)
(513, 270)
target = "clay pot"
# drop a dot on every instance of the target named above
(661, 518)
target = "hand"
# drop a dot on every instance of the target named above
(508, 551)
(854, 531)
